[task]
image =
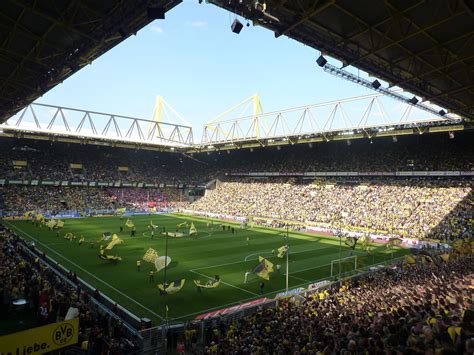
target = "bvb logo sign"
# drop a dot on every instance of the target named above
(63, 334)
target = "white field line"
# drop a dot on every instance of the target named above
(296, 252)
(87, 272)
(159, 235)
(320, 266)
(298, 278)
(226, 283)
(242, 261)
(259, 253)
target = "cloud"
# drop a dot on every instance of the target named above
(197, 23)
(157, 29)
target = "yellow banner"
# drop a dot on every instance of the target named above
(123, 168)
(20, 163)
(42, 339)
(75, 166)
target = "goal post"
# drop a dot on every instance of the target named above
(343, 265)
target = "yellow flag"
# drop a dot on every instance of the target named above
(150, 256)
(129, 223)
(282, 251)
(264, 268)
(173, 287)
(115, 241)
(192, 230)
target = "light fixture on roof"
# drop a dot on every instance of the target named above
(376, 84)
(236, 26)
(321, 61)
(413, 100)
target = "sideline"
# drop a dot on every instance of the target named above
(87, 272)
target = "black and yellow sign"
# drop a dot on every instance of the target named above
(42, 339)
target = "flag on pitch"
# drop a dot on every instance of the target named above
(173, 287)
(29, 214)
(351, 242)
(192, 229)
(121, 210)
(161, 262)
(264, 268)
(51, 223)
(282, 251)
(152, 226)
(129, 223)
(105, 237)
(150, 256)
(115, 241)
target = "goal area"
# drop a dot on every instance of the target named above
(343, 265)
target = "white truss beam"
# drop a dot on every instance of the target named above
(67, 122)
(357, 114)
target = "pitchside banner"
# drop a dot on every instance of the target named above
(232, 309)
(42, 339)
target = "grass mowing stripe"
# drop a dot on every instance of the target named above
(221, 254)
(87, 272)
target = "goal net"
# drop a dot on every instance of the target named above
(344, 265)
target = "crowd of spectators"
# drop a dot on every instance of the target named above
(51, 298)
(52, 161)
(45, 161)
(58, 198)
(46, 198)
(419, 208)
(140, 198)
(417, 310)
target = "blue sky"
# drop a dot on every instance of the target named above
(201, 68)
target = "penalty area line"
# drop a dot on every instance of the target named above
(87, 272)
(291, 253)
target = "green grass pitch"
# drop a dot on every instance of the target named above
(211, 253)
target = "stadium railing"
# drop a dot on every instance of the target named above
(127, 318)
(172, 332)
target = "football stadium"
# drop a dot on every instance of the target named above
(341, 226)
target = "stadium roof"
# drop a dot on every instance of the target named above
(425, 47)
(44, 42)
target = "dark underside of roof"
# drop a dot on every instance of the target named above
(426, 47)
(42, 42)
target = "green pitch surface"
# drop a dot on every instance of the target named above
(212, 252)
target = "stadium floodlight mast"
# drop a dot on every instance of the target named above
(287, 252)
(165, 311)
